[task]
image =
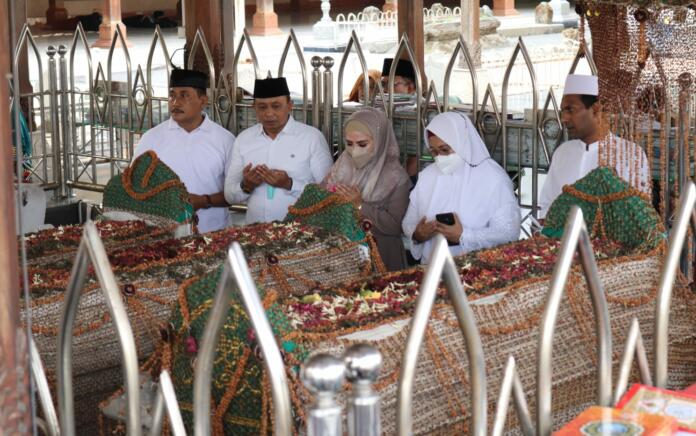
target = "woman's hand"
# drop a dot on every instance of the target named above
(452, 233)
(351, 193)
(424, 230)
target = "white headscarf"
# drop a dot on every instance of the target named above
(473, 191)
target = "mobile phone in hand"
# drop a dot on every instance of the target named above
(445, 218)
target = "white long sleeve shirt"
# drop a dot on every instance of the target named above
(200, 158)
(489, 213)
(573, 160)
(299, 150)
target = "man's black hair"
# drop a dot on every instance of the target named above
(588, 100)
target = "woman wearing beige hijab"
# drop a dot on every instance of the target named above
(369, 174)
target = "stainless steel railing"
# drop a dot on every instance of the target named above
(236, 277)
(323, 375)
(685, 215)
(166, 399)
(442, 266)
(575, 239)
(91, 251)
(360, 363)
(98, 119)
(634, 347)
(512, 385)
(43, 391)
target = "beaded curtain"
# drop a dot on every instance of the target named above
(645, 61)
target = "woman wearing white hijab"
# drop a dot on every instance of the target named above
(369, 174)
(465, 182)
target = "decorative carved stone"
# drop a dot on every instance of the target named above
(437, 7)
(371, 13)
(485, 11)
(449, 30)
(543, 13)
(570, 33)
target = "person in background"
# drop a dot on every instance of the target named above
(25, 140)
(404, 84)
(369, 174)
(194, 147)
(404, 76)
(465, 195)
(357, 92)
(581, 114)
(275, 159)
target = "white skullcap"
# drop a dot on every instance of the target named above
(581, 84)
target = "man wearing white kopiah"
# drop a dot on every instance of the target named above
(194, 147)
(465, 195)
(275, 159)
(590, 145)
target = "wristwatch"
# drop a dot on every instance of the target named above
(244, 188)
(208, 202)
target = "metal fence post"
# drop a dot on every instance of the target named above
(66, 190)
(327, 128)
(684, 172)
(362, 368)
(323, 375)
(55, 121)
(316, 92)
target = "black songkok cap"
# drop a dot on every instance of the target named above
(404, 68)
(269, 88)
(185, 78)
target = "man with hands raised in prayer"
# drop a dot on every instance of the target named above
(275, 159)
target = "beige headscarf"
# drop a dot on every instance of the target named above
(383, 173)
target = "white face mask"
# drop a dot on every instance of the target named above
(447, 164)
(360, 155)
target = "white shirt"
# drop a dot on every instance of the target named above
(572, 161)
(200, 158)
(299, 150)
(491, 219)
(478, 191)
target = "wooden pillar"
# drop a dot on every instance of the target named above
(471, 31)
(265, 20)
(233, 22)
(411, 23)
(390, 6)
(111, 17)
(206, 15)
(9, 286)
(25, 88)
(504, 8)
(56, 12)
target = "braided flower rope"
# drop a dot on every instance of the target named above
(598, 225)
(331, 200)
(630, 191)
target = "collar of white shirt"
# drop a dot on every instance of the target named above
(288, 129)
(205, 125)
